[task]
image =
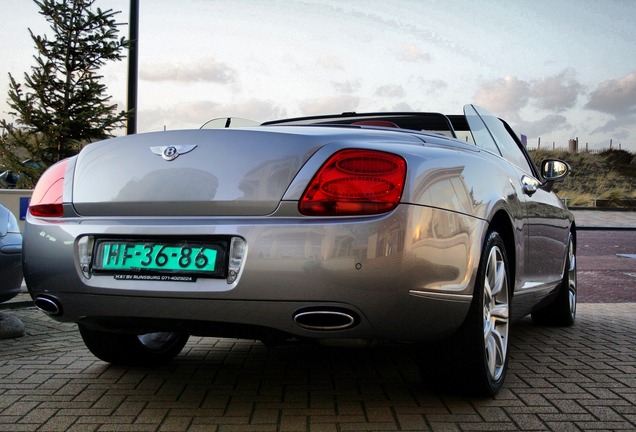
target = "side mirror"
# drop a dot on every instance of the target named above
(554, 169)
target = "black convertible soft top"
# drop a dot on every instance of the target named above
(412, 121)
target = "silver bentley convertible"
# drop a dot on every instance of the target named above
(421, 228)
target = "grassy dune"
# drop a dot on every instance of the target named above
(607, 178)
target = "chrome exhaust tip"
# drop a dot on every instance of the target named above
(322, 319)
(48, 306)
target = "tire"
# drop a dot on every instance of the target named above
(562, 311)
(474, 361)
(133, 350)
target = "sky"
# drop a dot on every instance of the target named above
(554, 69)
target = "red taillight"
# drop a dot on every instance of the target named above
(355, 182)
(46, 200)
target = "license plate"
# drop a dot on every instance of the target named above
(148, 257)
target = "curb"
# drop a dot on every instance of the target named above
(606, 228)
(20, 301)
(603, 209)
(16, 305)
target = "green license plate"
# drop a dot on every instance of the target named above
(186, 257)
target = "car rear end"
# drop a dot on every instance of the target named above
(246, 233)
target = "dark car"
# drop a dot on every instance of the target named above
(10, 179)
(423, 228)
(10, 255)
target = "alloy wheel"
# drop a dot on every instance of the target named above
(496, 311)
(572, 288)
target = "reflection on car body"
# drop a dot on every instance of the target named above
(10, 255)
(351, 227)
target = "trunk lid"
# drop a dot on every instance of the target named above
(190, 173)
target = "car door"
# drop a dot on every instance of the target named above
(545, 227)
(549, 226)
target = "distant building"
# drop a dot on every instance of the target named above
(573, 146)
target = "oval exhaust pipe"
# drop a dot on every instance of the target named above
(48, 306)
(325, 319)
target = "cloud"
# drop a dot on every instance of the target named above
(617, 126)
(557, 93)
(545, 125)
(179, 116)
(392, 91)
(616, 96)
(206, 70)
(504, 96)
(432, 86)
(411, 53)
(403, 107)
(194, 114)
(399, 107)
(509, 95)
(347, 86)
(330, 62)
(255, 109)
(336, 104)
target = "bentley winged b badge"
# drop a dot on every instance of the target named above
(172, 152)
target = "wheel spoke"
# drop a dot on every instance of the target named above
(496, 313)
(500, 313)
(491, 272)
(572, 289)
(496, 352)
(500, 278)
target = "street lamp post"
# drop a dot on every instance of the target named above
(131, 125)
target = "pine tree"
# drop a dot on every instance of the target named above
(62, 105)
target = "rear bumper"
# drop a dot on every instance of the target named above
(400, 275)
(420, 320)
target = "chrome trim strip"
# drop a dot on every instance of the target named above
(463, 298)
(534, 287)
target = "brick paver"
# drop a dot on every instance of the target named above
(574, 379)
(581, 378)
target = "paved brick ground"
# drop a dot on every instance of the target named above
(581, 378)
